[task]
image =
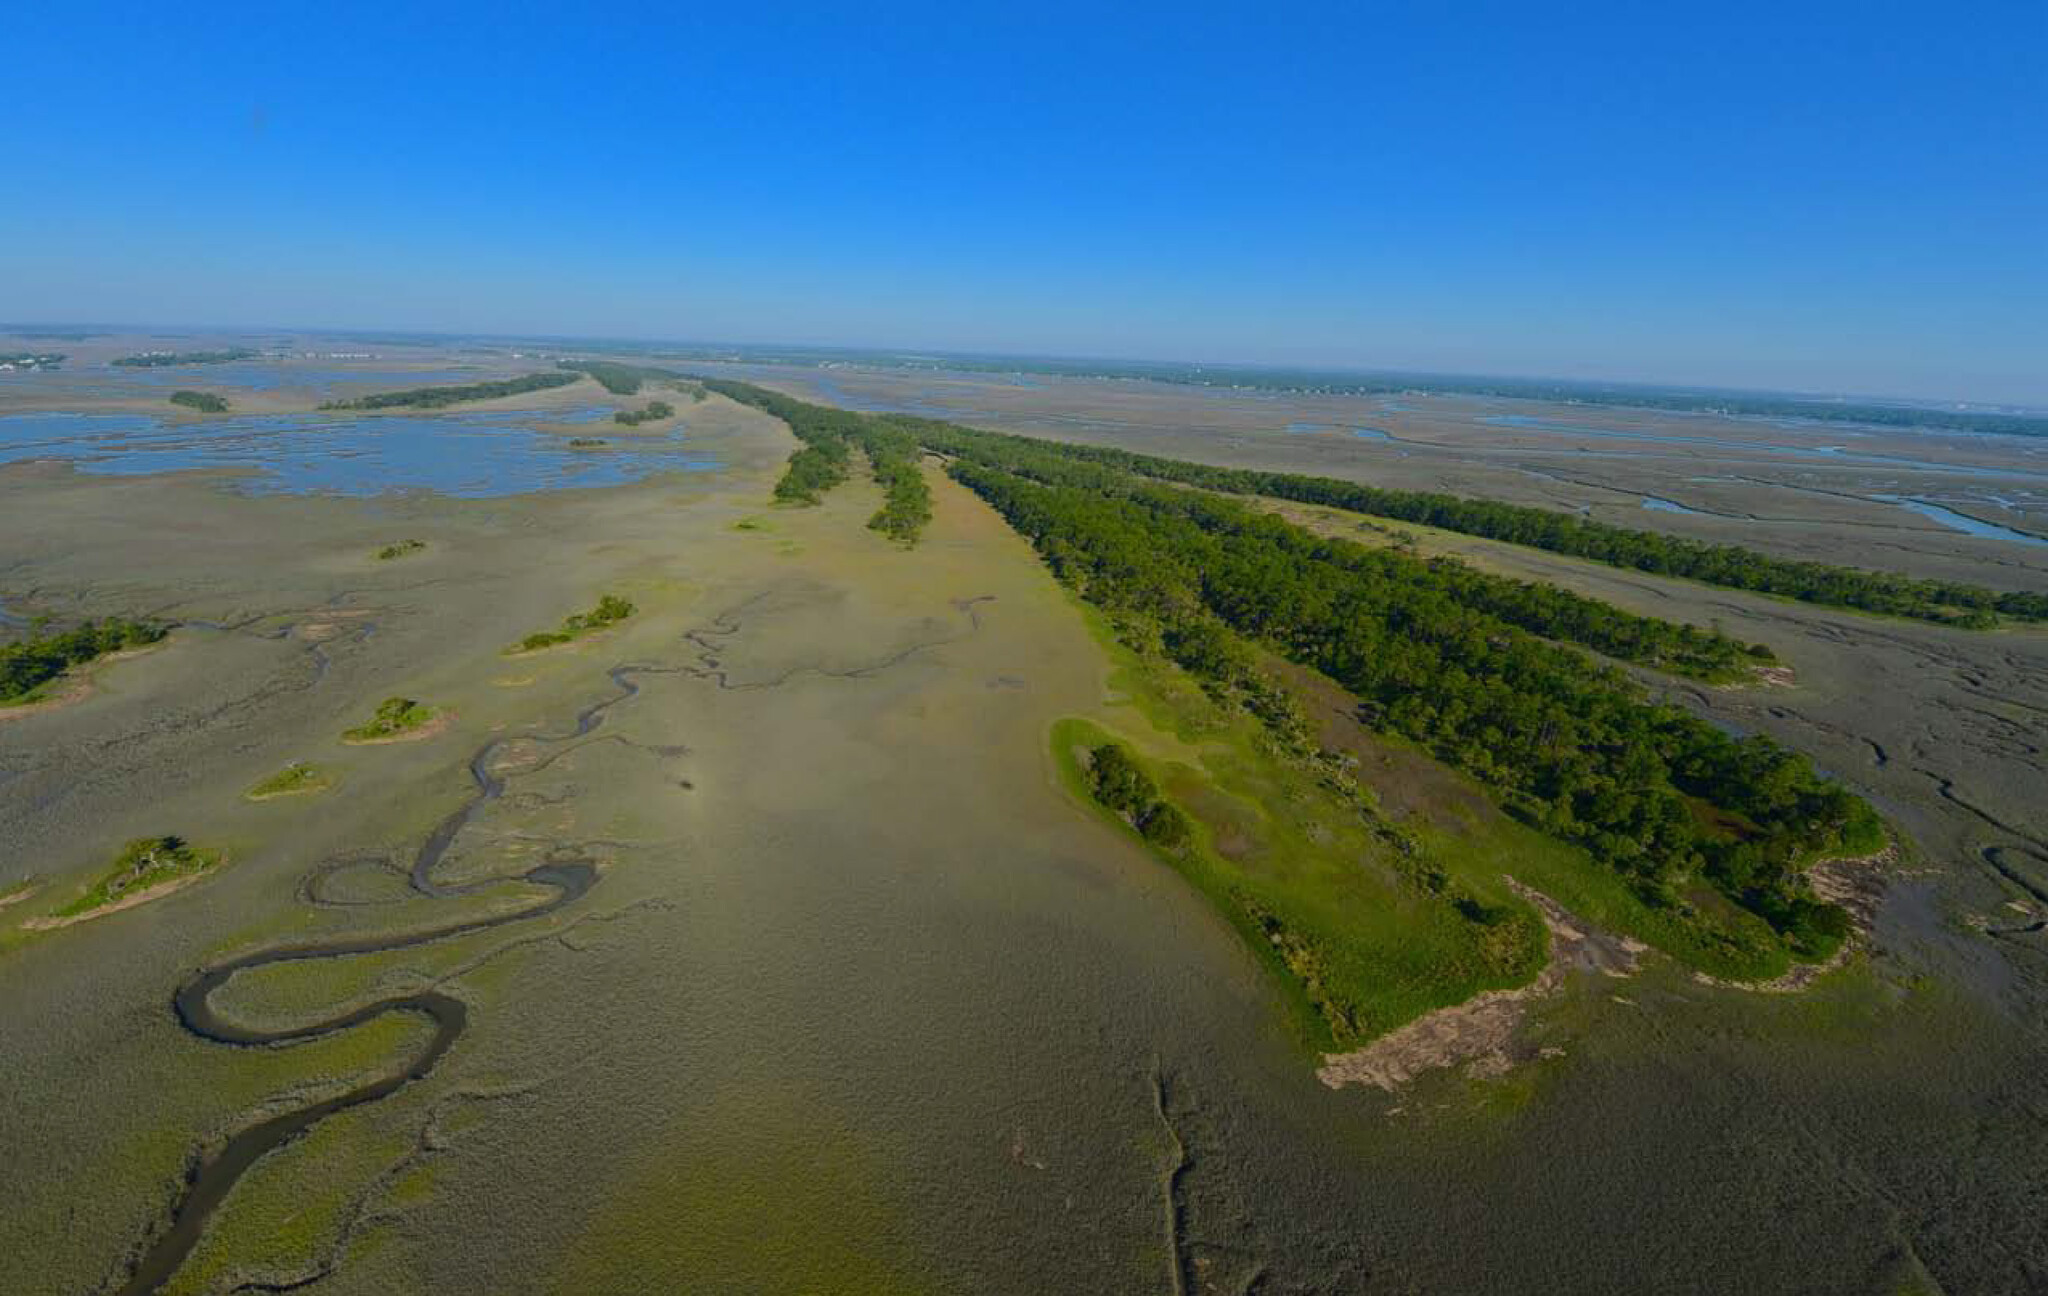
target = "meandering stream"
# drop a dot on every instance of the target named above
(569, 877)
(567, 873)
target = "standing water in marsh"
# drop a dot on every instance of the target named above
(469, 455)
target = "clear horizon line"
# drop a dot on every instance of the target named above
(1249, 366)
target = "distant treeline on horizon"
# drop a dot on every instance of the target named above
(1927, 415)
(1687, 400)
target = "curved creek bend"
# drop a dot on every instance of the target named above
(213, 1176)
(568, 873)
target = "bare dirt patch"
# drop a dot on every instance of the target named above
(1480, 1032)
(1856, 884)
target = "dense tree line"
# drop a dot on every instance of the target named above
(204, 402)
(441, 397)
(812, 470)
(1542, 609)
(1459, 661)
(907, 501)
(1730, 566)
(823, 462)
(1663, 798)
(1546, 610)
(31, 663)
(616, 378)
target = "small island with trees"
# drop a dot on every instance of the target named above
(398, 719)
(202, 402)
(146, 868)
(654, 412)
(27, 667)
(610, 610)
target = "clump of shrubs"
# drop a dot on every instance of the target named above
(395, 715)
(1119, 783)
(609, 610)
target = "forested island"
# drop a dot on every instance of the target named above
(143, 865)
(1491, 675)
(203, 402)
(30, 360)
(28, 665)
(441, 397)
(652, 412)
(164, 359)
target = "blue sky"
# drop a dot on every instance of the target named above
(1845, 197)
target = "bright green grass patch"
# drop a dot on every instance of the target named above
(610, 610)
(1365, 921)
(1475, 842)
(1357, 947)
(142, 863)
(293, 780)
(400, 549)
(395, 716)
